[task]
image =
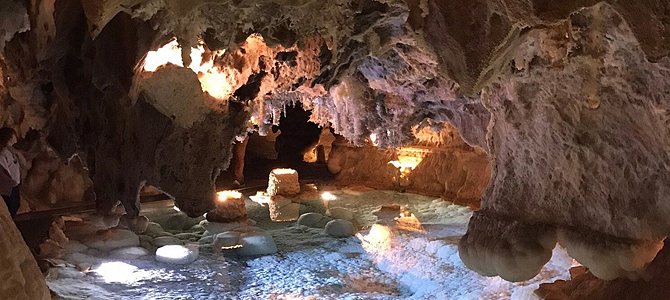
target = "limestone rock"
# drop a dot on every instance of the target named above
(309, 219)
(196, 228)
(24, 281)
(177, 254)
(340, 228)
(283, 182)
(583, 285)
(129, 253)
(106, 240)
(188, 236)
(153, 229)
(256, 244)
(226, 240)
(216, 227)
(52, 181)
(283, 210)
(596, 154)
(105, 221)
(340, 213)
(137, 224)
(74, 246)
(513, 250)
(166, 240)
(206, 240)
(314, 220)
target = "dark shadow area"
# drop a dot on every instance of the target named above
(296, 136)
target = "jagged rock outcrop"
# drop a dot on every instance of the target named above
(578, 141)
(583, 285)
(20, 275)
(569, 99)
(445, 167)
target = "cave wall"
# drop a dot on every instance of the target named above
(20, 276)
(449, 168)
(584, 285)
(578, 141)
(567, 98)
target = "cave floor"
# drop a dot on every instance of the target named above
(413, 264)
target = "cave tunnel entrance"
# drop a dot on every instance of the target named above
(294, 143)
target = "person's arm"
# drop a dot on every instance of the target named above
(23, 164)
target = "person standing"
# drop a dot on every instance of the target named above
(10, 170)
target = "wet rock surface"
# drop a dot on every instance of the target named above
(568, 99)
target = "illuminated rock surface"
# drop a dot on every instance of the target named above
(411, 265)
(562, 107)
(106, 240)
(22, 278)
(177, 254)
(340, 228)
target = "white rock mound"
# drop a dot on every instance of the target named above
(177, 254)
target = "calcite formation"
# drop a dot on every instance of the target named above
(283, 182)
(576, 143)
(568, 100)
(21, 277)
(445, 166)
(230, 206)
(283, 209)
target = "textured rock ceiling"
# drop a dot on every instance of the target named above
(570, 99)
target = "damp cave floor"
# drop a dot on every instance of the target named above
(421, 264)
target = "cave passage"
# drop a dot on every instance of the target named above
(350, 149)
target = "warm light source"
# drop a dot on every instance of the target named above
(408, 159)
(177, 254)
(225, 195)
(121, 272)
(283, 171)
(230, 206)
(283, 182)
(373, 139)
(379, 238)
(216, 81)
(328, 196)
(310, 156)
(168, 54)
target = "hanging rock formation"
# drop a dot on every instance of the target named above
(569, 100)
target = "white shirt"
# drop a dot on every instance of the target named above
(9, 162)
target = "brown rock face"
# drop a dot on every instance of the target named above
(569, 100)
(21, 277)
(447, 167)
(579, 143)
(583, 285)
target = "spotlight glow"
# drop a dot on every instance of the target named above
(225, 195)
(173, 251)
(217, 81)
(177, 254)
(283, 171)
(120, 272)
(328, 196)
(373, 139)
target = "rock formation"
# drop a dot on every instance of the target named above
(568, 99)
(576, 142)
(21, 277)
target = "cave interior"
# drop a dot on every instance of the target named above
(340, 149)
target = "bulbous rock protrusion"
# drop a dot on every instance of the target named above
(609, 258)
(513, 250)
